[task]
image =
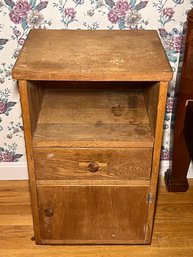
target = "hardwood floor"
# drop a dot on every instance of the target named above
(172, 236)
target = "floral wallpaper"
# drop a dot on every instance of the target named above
(18, 17)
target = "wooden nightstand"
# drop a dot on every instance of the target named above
(93, 105)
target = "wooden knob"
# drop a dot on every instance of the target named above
(48, 212)
(93, 167)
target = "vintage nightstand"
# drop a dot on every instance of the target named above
(93, 105)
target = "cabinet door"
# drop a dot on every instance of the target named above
(93, 214)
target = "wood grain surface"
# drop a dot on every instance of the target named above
(92, 55)
(63, 125)
(93, 214)
(35, 95)
(114, 163)
(28, 104)
(162, 93)
(151, 96)
(172, 234)
(96, 182)
(93, 119)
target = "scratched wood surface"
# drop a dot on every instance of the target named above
(35, 94)
(77, 118)
(92, 55)
(92, 214)
(172, 234)
(151, 95)
(30, 104)
(93, 119)
(113, 163)
(158, 101)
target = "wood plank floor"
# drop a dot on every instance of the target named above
(172, 236)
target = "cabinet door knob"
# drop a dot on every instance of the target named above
(48, 212)
(93, 167)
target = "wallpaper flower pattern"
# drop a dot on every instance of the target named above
(18, 17)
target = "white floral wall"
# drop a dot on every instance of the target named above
(18, 17)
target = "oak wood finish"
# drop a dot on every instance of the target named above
(93, 214)
(35, 95)
(116, 118)
(151, 96)
(92, 56)
(113, 163)
(156, 155)
(28, 104)
(172, 234)
(90, 182)
(176, 178)
(106, 117)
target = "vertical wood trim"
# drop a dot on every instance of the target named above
(151, 96)
(35, 95)
(29, 152)
(156, 155)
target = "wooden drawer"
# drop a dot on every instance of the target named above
(93, 214)
(98, 163)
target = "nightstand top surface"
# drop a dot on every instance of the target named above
(103, 55)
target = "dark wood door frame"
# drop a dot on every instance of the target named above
(176, 178)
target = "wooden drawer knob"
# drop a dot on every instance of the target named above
(48, 212)
(93, 167)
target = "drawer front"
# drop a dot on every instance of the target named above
(93, 214)
(103, 163)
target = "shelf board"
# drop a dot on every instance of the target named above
(93, 119)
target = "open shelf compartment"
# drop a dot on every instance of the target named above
(107, 115)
